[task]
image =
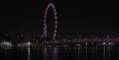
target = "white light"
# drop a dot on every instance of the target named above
(110, 43)
(104, 43)
(26, 44)
(86, 43)
(6, 45)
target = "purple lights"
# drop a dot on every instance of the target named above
(50, 5)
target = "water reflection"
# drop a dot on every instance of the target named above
(92, 51)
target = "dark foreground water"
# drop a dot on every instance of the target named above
(76, 53)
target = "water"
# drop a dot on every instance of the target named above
(92, 52)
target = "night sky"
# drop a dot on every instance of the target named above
(75, 17)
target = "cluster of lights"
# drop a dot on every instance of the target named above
(26, 44)
(109, 43)
(6, 45)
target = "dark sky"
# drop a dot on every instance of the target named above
(75, 16)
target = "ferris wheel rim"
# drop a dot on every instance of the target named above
(55, 22)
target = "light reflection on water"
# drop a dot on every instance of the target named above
(74, 53)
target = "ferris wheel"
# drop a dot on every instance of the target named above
(50, 24)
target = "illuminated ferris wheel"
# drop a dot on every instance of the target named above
(50, 22)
